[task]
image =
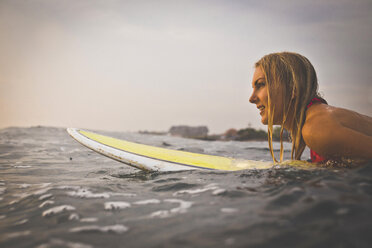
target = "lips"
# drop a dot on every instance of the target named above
(261, 108)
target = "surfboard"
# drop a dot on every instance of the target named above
(152, 158)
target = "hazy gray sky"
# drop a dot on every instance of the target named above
(147, 65)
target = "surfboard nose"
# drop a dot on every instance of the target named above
(71, 131)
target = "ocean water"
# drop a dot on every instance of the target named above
(56, 193)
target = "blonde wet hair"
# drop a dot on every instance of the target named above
(295, 78)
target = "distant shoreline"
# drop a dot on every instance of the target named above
(244, 134)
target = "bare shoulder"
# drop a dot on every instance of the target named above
(323, 118)
(336, 132)
(320, 119)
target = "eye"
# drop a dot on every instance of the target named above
(260, 84)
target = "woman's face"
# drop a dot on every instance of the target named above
(260, 98)
(259, 94)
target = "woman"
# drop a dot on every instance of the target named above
(285, 90)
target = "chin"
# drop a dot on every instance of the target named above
(264, 121)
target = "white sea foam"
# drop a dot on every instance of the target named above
(208, 187)
(85, 193)
(296, 189)
(21, 222)
(160, 214)
(218, 191)
(13, 202)
(122, 194)
(74, 216)
(184, 205)
(182, 208)
(68, 187)
(116, 205)
(149, 201)
(20, 196)
(46, 203)
(57, 210)
(229, 210)
(61, 243)
(41, 191)
(118, 229)
(44, 185)
(2, 217)
(22, 166)
(91, 219)
(24, 185)
(2, 190)
(46, 196)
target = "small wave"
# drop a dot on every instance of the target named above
(229, 193)
(57, 210)
(46, 196)
(91, 219)
(24, 185)
(182, 208)
(22, 166)
(208, 187)
(21, 222)
(122, 194)
(141, 175)
(41, 191)
(116, 205)
(145, 202)
(173, 186)
(167, 180)
(62, 243)
(46, 203)
(229, 210)
(218, 191)
(85, 193)
(74, 216)
(117, 229)
(69, 187)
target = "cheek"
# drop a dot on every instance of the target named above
(263, 96)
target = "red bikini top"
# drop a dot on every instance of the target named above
(315, 157)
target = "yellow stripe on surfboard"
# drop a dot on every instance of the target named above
(179, 157)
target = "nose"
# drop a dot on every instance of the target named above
(253, 98)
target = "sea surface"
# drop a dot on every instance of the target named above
(56, 193)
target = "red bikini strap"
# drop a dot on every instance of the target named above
(314, 100)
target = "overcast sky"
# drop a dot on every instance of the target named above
(148, 65)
